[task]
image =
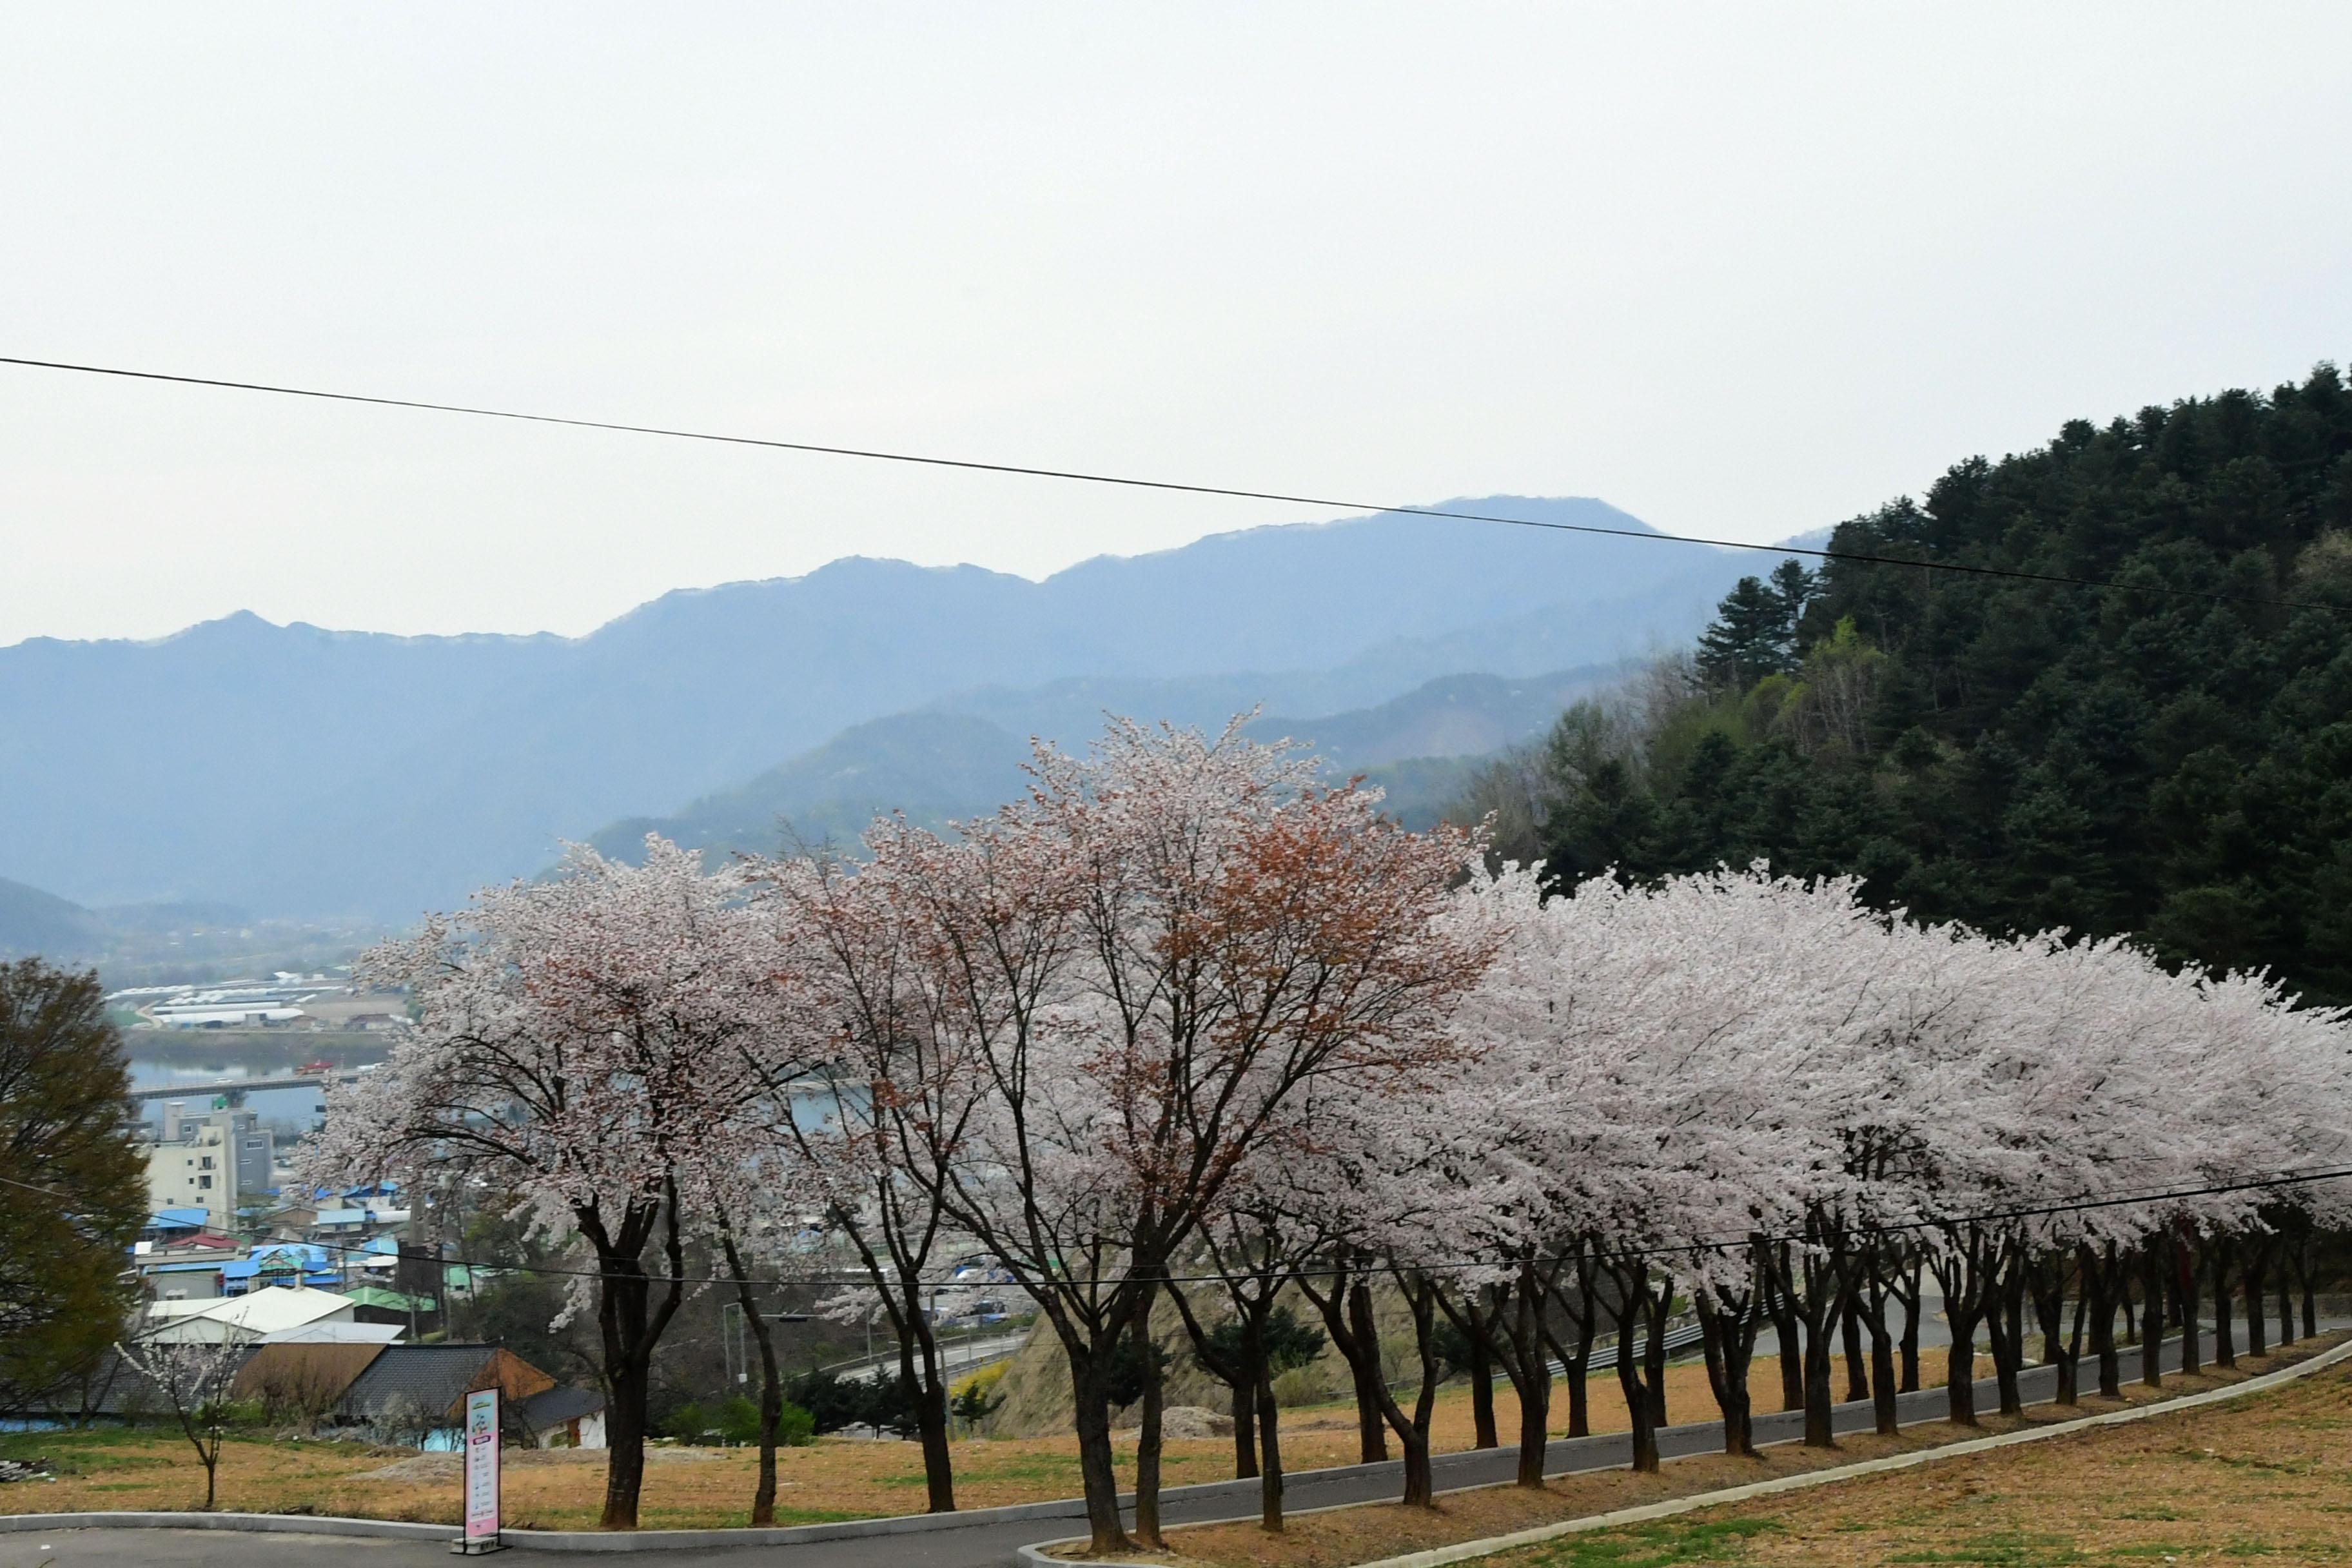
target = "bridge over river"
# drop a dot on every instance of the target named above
(236, 1088)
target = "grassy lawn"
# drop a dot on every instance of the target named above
(2151, 1486)
(2268, 1481)
(833, 1478)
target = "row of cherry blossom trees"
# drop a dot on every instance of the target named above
(1184, 1026)
(1759, 1098)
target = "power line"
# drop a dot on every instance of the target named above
(1131, 482)
(44, 1192)
(2290, 1178)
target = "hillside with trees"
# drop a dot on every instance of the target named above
(2169, 754)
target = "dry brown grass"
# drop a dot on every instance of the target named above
(833, 1478)
(845, 1479)
(685, 1488)
(2268, 1480)
(2271, 1479)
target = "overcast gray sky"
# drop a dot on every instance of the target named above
(1740, 269)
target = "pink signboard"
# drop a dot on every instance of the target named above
(481, 1472)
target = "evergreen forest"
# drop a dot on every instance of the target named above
(2168, 754)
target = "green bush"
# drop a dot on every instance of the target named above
(735, 1422)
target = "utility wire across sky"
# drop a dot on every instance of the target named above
(2289, 1178)
(1132, 482)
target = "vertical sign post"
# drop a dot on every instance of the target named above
(481, 1437)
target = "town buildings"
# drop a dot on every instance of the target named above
(219, 1161)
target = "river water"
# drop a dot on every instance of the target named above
(185, 1057)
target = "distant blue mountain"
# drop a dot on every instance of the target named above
(296, 771)
(33, 922)
(937, 766)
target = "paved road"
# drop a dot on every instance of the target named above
(984, 1545)
(958, 1356)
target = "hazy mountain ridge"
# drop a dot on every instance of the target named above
(34, 922)
(937, 765)
(301, 770)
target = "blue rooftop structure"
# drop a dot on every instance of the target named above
(282, 1262)
(301, 1254)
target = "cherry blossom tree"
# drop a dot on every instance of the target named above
(192, 1379)
(879, 1086)
(1149, 959)
(581, 1043)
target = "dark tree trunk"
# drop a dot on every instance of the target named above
(1960, 1368)
(1886, 1417)
(1910, 1292)
(1484, 1434)
(1420, 1483)
(1635, 1305)
(1576, 1353)
(1962, 1275)
(1579, 1374)
(1269, 1437)
(624, 1438)
(1091, 1414)
(629, 1324)
(897, 1271)
(1792, 1352)
(1475, 1331)
(1816, 1304)
(1819, 1306)
(1371, 1431)
(2049, 1277)
(2218, 1259)
(1362, 1351)
(1575, 1356)
(2151, 1312)
(1727, 1335)
(1357, 1339)
(2184, 1285)
(772, 1392)
(1269, 1456)
(1245, 1374)
(1530, 1374)
(2005, 1329)
(1653, 1358)
(1148, 1441)
(918, 1365)
(2100, 1281)
(1412, 1435)
(1819, 1397)
(2256, 1269)
(1857, 1374)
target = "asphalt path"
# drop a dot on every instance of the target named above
(991, 1543)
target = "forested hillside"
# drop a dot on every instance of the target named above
(2023, 754)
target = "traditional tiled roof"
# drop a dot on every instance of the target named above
(565, 1402)
(437, 1379)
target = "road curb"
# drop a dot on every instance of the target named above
(576, 1540)
(549, 1540)
(589, 1541)
(1035, 1556)
(261, 1524)
(1436, 1556)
